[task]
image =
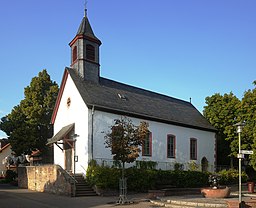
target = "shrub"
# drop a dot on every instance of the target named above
(231, 177)
(193, 166)
(182, 179)
(195, 179)
(140, 179)
(178, 166)
(10, 175)
(146, 164)
(144, 179)
(103, 177)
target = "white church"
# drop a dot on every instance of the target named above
(88, 104)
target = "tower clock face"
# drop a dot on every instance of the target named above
(68, 102)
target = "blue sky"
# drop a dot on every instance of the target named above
(181, 48)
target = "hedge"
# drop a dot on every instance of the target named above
(145, 179)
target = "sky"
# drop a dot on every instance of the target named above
(181, 48)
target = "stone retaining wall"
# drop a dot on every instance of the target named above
(46, 178)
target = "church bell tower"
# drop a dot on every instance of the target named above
(85, 52)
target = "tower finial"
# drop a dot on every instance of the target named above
(85, 8)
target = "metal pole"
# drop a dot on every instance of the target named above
(240, 167)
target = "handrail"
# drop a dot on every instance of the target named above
(70, 177)
(67, 173)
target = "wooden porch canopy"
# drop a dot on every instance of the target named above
(61, 134)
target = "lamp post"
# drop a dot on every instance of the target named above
(240, 126)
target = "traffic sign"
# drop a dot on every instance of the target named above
(247, 152)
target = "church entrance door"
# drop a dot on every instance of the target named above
(68, 152)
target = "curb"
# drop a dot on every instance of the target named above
(187, 204)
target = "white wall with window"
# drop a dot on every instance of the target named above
(171, 146)
(165, 144)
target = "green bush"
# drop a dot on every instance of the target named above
(231, 177)
(178, 166)
(146, 164)
(193, 166)
(144, 179)
(10, 175)
(147, 178)
(103, 177)
(140, 179)
(182, 179)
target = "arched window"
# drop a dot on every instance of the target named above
(74, 54)
(90, 52)
(204, 164)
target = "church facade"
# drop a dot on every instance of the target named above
(88, 104)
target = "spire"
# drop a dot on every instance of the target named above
(85, 51)
(85, 28)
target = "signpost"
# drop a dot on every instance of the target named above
(247, 152)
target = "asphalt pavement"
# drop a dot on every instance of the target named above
(12, 197)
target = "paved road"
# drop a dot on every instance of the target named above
(12, 197)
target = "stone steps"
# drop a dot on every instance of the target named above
(82, 188)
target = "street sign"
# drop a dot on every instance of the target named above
(240, 156)
(247, 152)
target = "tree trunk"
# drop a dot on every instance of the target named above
(123, 171)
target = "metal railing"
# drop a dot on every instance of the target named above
(159, 165)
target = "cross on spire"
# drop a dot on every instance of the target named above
(85, 8)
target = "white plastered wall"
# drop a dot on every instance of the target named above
(76, 113)
(205, 140)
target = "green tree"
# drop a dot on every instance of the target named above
(27, 126)
(248, 114)
(125, 140)
(222, 111)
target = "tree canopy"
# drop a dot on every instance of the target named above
(27, 126)
(248, 114)
(125, 139)
(223, 111)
